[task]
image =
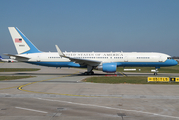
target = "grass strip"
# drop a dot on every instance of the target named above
(17, 69)
(119, 80)
(13, 77)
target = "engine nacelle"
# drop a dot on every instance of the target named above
(107, 67)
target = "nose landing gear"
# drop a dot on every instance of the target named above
(156, 70)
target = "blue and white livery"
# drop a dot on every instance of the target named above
(105, 61)
(7, 60)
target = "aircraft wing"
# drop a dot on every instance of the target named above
(19, 58)
(84, 61)
(80, 61)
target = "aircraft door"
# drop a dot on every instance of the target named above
(125, 58)
(160, 59)
(38, 58)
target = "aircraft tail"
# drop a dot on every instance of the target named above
(0, 57)
(22, 43)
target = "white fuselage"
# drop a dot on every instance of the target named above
(121, 58)
(99, 56)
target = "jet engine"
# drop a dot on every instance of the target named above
(107, 67)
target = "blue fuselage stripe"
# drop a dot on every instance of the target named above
(56, 64)
(119, 64)
(170, 62)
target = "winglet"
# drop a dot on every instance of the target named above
(59, 51)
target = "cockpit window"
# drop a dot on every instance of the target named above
(169, 58)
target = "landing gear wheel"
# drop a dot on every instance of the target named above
(155, 73)
(89, 73)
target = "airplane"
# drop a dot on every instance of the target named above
(104, 61)
(7, 60)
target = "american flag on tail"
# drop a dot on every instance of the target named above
(18, 40)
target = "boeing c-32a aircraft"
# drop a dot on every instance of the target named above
(105, 61)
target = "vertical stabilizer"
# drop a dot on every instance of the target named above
(22, 43)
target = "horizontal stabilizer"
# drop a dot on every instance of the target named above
(19, 58)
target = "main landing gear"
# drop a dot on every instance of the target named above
(89, 71)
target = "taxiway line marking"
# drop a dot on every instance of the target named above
(8, 88)
(91, 105)
(122, 74)
(31, 110)
(21, 88)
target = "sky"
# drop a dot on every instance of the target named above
(93, 25)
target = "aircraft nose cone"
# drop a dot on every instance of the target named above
(175, 62)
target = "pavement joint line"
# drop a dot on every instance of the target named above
(31, 110)
(112, 108)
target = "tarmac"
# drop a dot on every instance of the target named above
(54, 93)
